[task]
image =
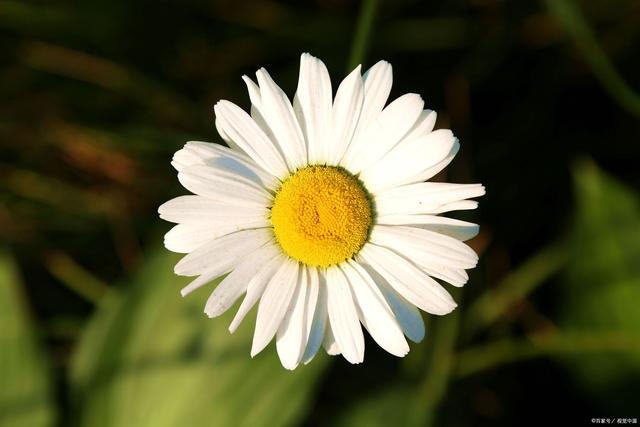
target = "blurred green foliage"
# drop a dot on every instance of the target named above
(148, 358)
(98, 95)
(602, 285)
(25, 386)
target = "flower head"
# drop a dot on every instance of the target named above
(319, 213)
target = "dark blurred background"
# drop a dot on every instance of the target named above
(97, 95)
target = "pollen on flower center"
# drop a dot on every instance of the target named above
(321, 215)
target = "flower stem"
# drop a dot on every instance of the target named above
(431, 390)
(497, 353)
(515, 287)
(360, 45)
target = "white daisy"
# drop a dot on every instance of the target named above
(319, 212)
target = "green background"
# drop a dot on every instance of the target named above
(97, 95)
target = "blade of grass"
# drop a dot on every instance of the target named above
(575, 24)
(497, 353)
(54, 192)
(108, 75)
(364, 26)
(432, 389)
(76, 278)
(515, 287)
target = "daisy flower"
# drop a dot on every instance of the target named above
(319, 213)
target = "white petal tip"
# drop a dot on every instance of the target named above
(212, 312)
(289, 366)
(417, 339)
(256, 349)
(248, 80)
(449, 309)
(401, 349)
(381, 63)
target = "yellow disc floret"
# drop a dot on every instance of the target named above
(321, 215)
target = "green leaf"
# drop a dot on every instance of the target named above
(25, 398)
(152, 358)
(603, 275)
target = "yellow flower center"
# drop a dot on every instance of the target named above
(321, 215)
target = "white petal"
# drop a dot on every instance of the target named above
(383, 133)
(222, 254)
(423, 126)
(455, 228)
(221, 169)
(460, 205)
(316, 332)
(312, 299)
(432, 259)
(312, 105)
(328, 339)
(279, 115)
(246, 133)
(408, 280)
(200, 210)
(273, 305)
(256, 108)
(343, 316)
(244, 171)
(225, 137)
(222, 186)
(407, 314)
(185, 157)
(426, 198)
(346, 111)
(435, 169)
(429, 245)
(454, 276)
(205, 153)
(254, 93)
(291, 337)
(255, 288)
(374, 312)
(235, 284)
(407, 160)
(185, 238)
(377, 86)
(329, 343)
